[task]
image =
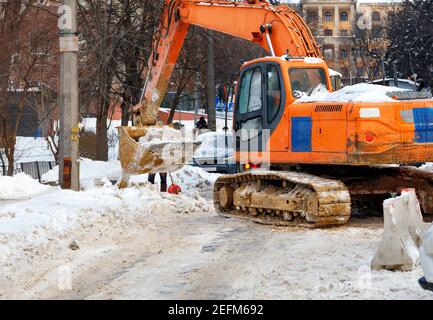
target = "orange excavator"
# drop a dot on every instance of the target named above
(300, 161)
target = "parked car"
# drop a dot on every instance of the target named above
(215, 153)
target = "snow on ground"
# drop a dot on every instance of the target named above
(191, 179)
(20, 187)
(138, 243)
(194, 179)
(361, 92)
(90, 172)
(51, 216)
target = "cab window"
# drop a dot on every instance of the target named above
(307, 81)
(250, 96)
(273, 92)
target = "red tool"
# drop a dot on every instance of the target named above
(174, 188)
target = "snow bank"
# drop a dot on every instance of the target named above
(32, 225)
(90, 172)
(361, 92)
(191, 179)
(195, 179)
(20, 187)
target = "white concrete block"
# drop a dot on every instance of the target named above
(426, 255)
(403, 230)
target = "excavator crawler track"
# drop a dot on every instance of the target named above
(283, 199)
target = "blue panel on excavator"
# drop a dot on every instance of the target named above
(423, 118)
(301, 134)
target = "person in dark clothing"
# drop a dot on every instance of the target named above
(162, 176)
(202, 124)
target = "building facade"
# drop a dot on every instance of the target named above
(336, 25)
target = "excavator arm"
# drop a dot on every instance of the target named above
(277, 28)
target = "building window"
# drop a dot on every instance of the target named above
(375, 16)
(344, 54)
(329, 53)
(344, 32)
(312, 16)
(344, 16)
(328, 32)
(328, 16)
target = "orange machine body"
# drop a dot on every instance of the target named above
(331, 132)
(337, 132)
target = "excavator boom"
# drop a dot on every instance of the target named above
(278, 29)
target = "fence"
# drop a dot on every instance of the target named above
(34, 169)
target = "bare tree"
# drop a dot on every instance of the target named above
(27, 50)
(371, 47)
(139, 19)
(117, 38)
(190, 63)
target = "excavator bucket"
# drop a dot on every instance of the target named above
(153, 149)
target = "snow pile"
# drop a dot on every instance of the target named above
(361, 92)
(191, 179)
(20, 187)
(194, 179)
(32, 225)
(90, 172)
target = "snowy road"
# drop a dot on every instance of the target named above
(204, 256)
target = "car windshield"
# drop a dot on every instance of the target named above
(306, 81)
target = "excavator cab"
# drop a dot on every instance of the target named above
(266, 87)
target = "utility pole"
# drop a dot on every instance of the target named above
(69, 175)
